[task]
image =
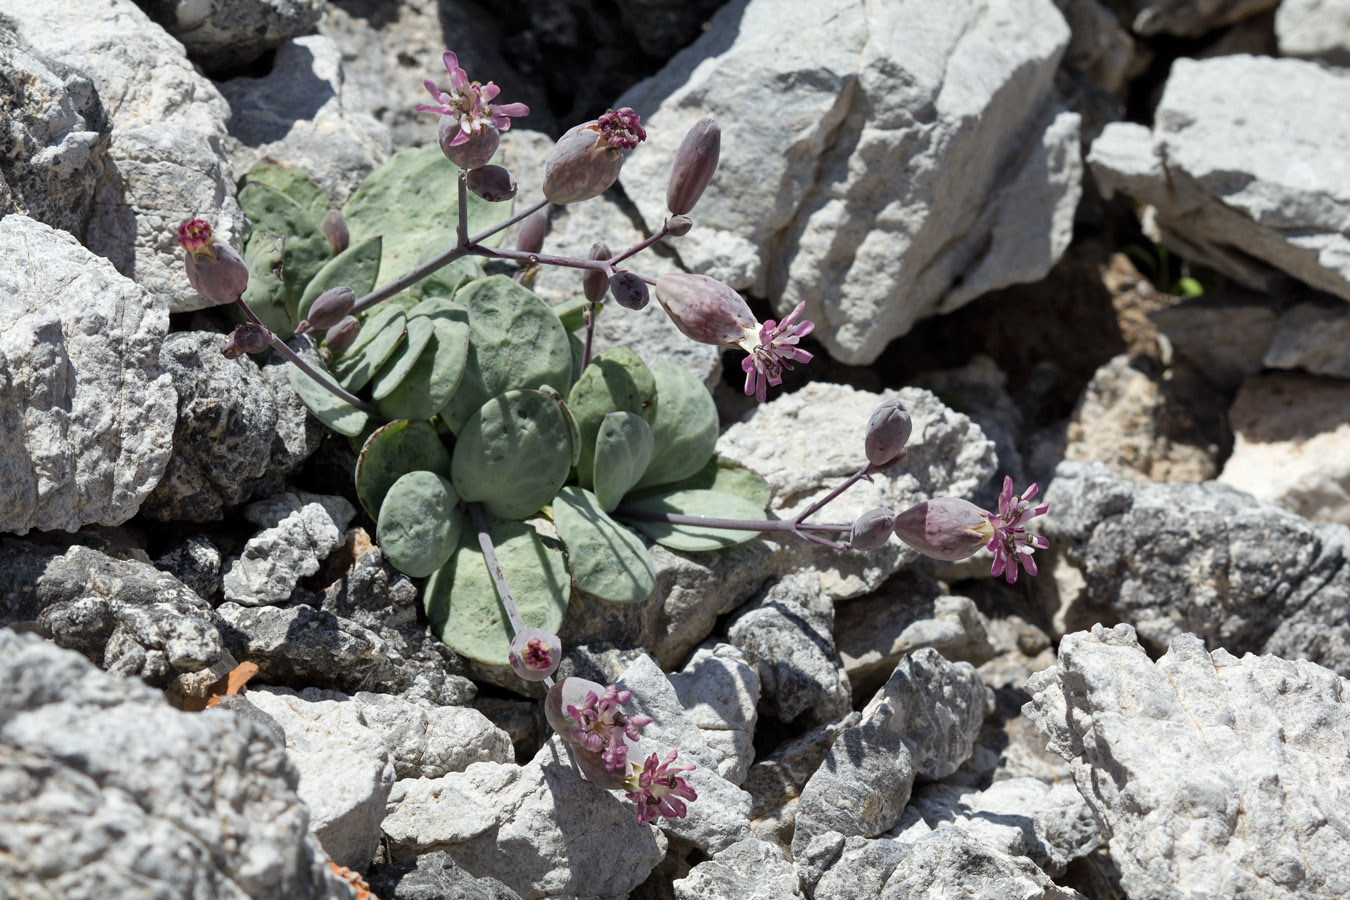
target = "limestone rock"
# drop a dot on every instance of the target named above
(1243, 187)
(776, 781)
(431, 741)
(300, 113)
(747, 870)
(1319, 29)
(433, 876)
(112, 793)
(87, 413)
(345, 769)
(299, 531)
(230, 34)
(719, 691)
(1210, 775)
(1190, 18)
(805, 205)
(166, 152)
(1312, 337)
(1248, 322)
(1292, 444)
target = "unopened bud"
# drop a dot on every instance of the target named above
(679, 225)
(249, 337)
(535, 653)
(694, 166)
(594, 283)
(330, 308)
(334, 228)
(872, 529)
(530, 237)
(341, 335)
(213, 267)
(580, 166)
(621, 128)
(947, 528)
(705, 309)
(888, 431)
(629, 290)
(467, 151)
(493, 183)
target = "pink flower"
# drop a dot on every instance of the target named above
(470, 103)
(602, 724)
(658, 790)
(772, 350)
(1008, 538)
(621, 128)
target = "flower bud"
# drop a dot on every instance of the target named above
(947, 528)
(594, 283)
(334, 228)
(341, 335)
(249, 337)
(580, 166)
(213, 267)
(330, 308)
(530, 237)
(705, 309)
(493, 183)
(629, 290)
(621, 128)
(694, 166)
(872, 529)
(535, 653)
(679, 226)
(467, 152)
(888, 431)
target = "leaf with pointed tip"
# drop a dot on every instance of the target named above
(623, 448)
(709, 504)
(392, 451)
(513, 454)
(685, 425)
(608, 561)
(419, 523)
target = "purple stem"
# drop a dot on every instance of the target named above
(757, 525)
(590, 312)
(495, 568)
(848, 483)
(323, 380)
(639, 247)
(462, 228)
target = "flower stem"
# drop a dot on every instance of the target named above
(757, 525)
(643, 245)
(462, 227)
(495, 568)
(848, 483)
(589, 312)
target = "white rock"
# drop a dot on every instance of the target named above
(905, 159)
(299, 531)
(1211, 776)
(431, 741)
(1234, 181)
(168, 137)
(747, 870)
(1319, 29)
(1292, 444)
(719, 691)
(86, 412)
(345, 769)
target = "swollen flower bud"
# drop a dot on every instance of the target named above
(213, 267)
(341, 335)
(888, 431)
(468, 153)
(947, 528)
(705, 309)
(581, 165)
(679, 226)
(629, 290)
(493, 183)
(594, 283)
(331, 307)
(535, 653)
(694, 166)
(334, 228)
(530, 237)
(872, 529)
(621, 128)
(249, 337)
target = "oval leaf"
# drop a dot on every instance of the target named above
(608, 561)
(711, 504)
(392, 451)
(438, 370)
(419, 523)
(396, 368)
(684, 427)
(514, 454)
(615, 381)
(623, 448)
(329, 409)
(357, 267)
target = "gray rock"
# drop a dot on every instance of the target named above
(1211, 776)
(1190, 18)
(1204, 559)
(1291, 444)
(195, 561)
(1319, 29)
(1248, 322)
(540, 829)
(301, 645)
(299, 531)
(300, 113)
(167, 144)
(433, 876)
(227, 422)
(1312, 337)
(431, 741)
(947, 863)
(85, 409)
(56, 138)
(922, 722)
(345, 769)
(787, 636)
(124, 615)
(747, 870)
(230, 34)
(980, 390)
(805, 205)
(112, 793)
(1243, 187)
(1098, 46)
(719, 690)
(776, 781)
